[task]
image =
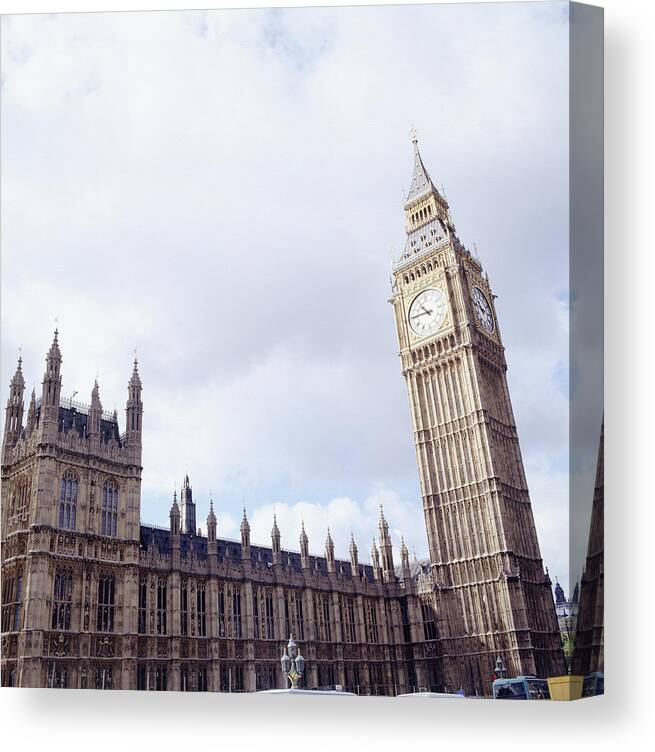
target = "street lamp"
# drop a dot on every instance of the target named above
(293, 664)
(501, 671)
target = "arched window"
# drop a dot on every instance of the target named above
(68, 501)
(20, 499)
(109, 510)
(62, 599)
(105, 615)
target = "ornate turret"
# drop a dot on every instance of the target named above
(329, 551)
(304, 547)
(211, 523)
(212, 545)
(386, 549)
(134, 413)
(175, 516)
(245, 536)
(51, 393)
(276, 540)
(31, 414)
(354, 557)
(375, 558)
(404, 559)
(95, 413)
(14, 411)
(188, 508)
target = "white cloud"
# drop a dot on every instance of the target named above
(221, 190)
(343, 516)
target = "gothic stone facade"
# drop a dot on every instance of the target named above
(491, 594)
(93, 598)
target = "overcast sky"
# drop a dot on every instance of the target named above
(223, 191)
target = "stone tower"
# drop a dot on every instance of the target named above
(491, 595)
(73, 482)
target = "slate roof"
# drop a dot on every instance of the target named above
(232, 550)
(76, 419)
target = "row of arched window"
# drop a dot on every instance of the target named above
(423, 269)
(424, 213)
(68, 491)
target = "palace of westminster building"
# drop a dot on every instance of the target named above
(93, 598)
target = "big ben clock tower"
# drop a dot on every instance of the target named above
(488, 588)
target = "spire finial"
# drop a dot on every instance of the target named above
(413, 135)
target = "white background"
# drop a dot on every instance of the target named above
(41, 719)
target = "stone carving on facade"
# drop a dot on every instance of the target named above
(105, 647)
(59, 646)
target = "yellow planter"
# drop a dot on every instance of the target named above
(565, 687)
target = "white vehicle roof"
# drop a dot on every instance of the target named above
(443, 695)
(332, 692)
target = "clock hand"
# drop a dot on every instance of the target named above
(418, 315)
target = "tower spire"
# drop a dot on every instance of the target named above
(304, 546)
(95, 412)
(15, 406)
(421, 185)
(386, 549)
(245, 536)
(175, 516)
(211, 521)
(375, 558)
(134, 413)
(354, 558)
(49, 418)
(427, 216)
(188, 507)
(329, 551)
(276, 540)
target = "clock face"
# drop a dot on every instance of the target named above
(427, 312)
(483, 309)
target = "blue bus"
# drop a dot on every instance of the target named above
(521, 688)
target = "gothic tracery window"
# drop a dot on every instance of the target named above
(184, 607)
(161, 605)
(201, 612)
(270, 620)
(12, 595)
(429, 624)
(20, 499)
(221, 611)
(104, 677)
(109, 508)
(105, 614)
(62, 599)
(236, 611)
(57, 676)
(143, 604)
(68, 500)
(371, 621)
(348, 618)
